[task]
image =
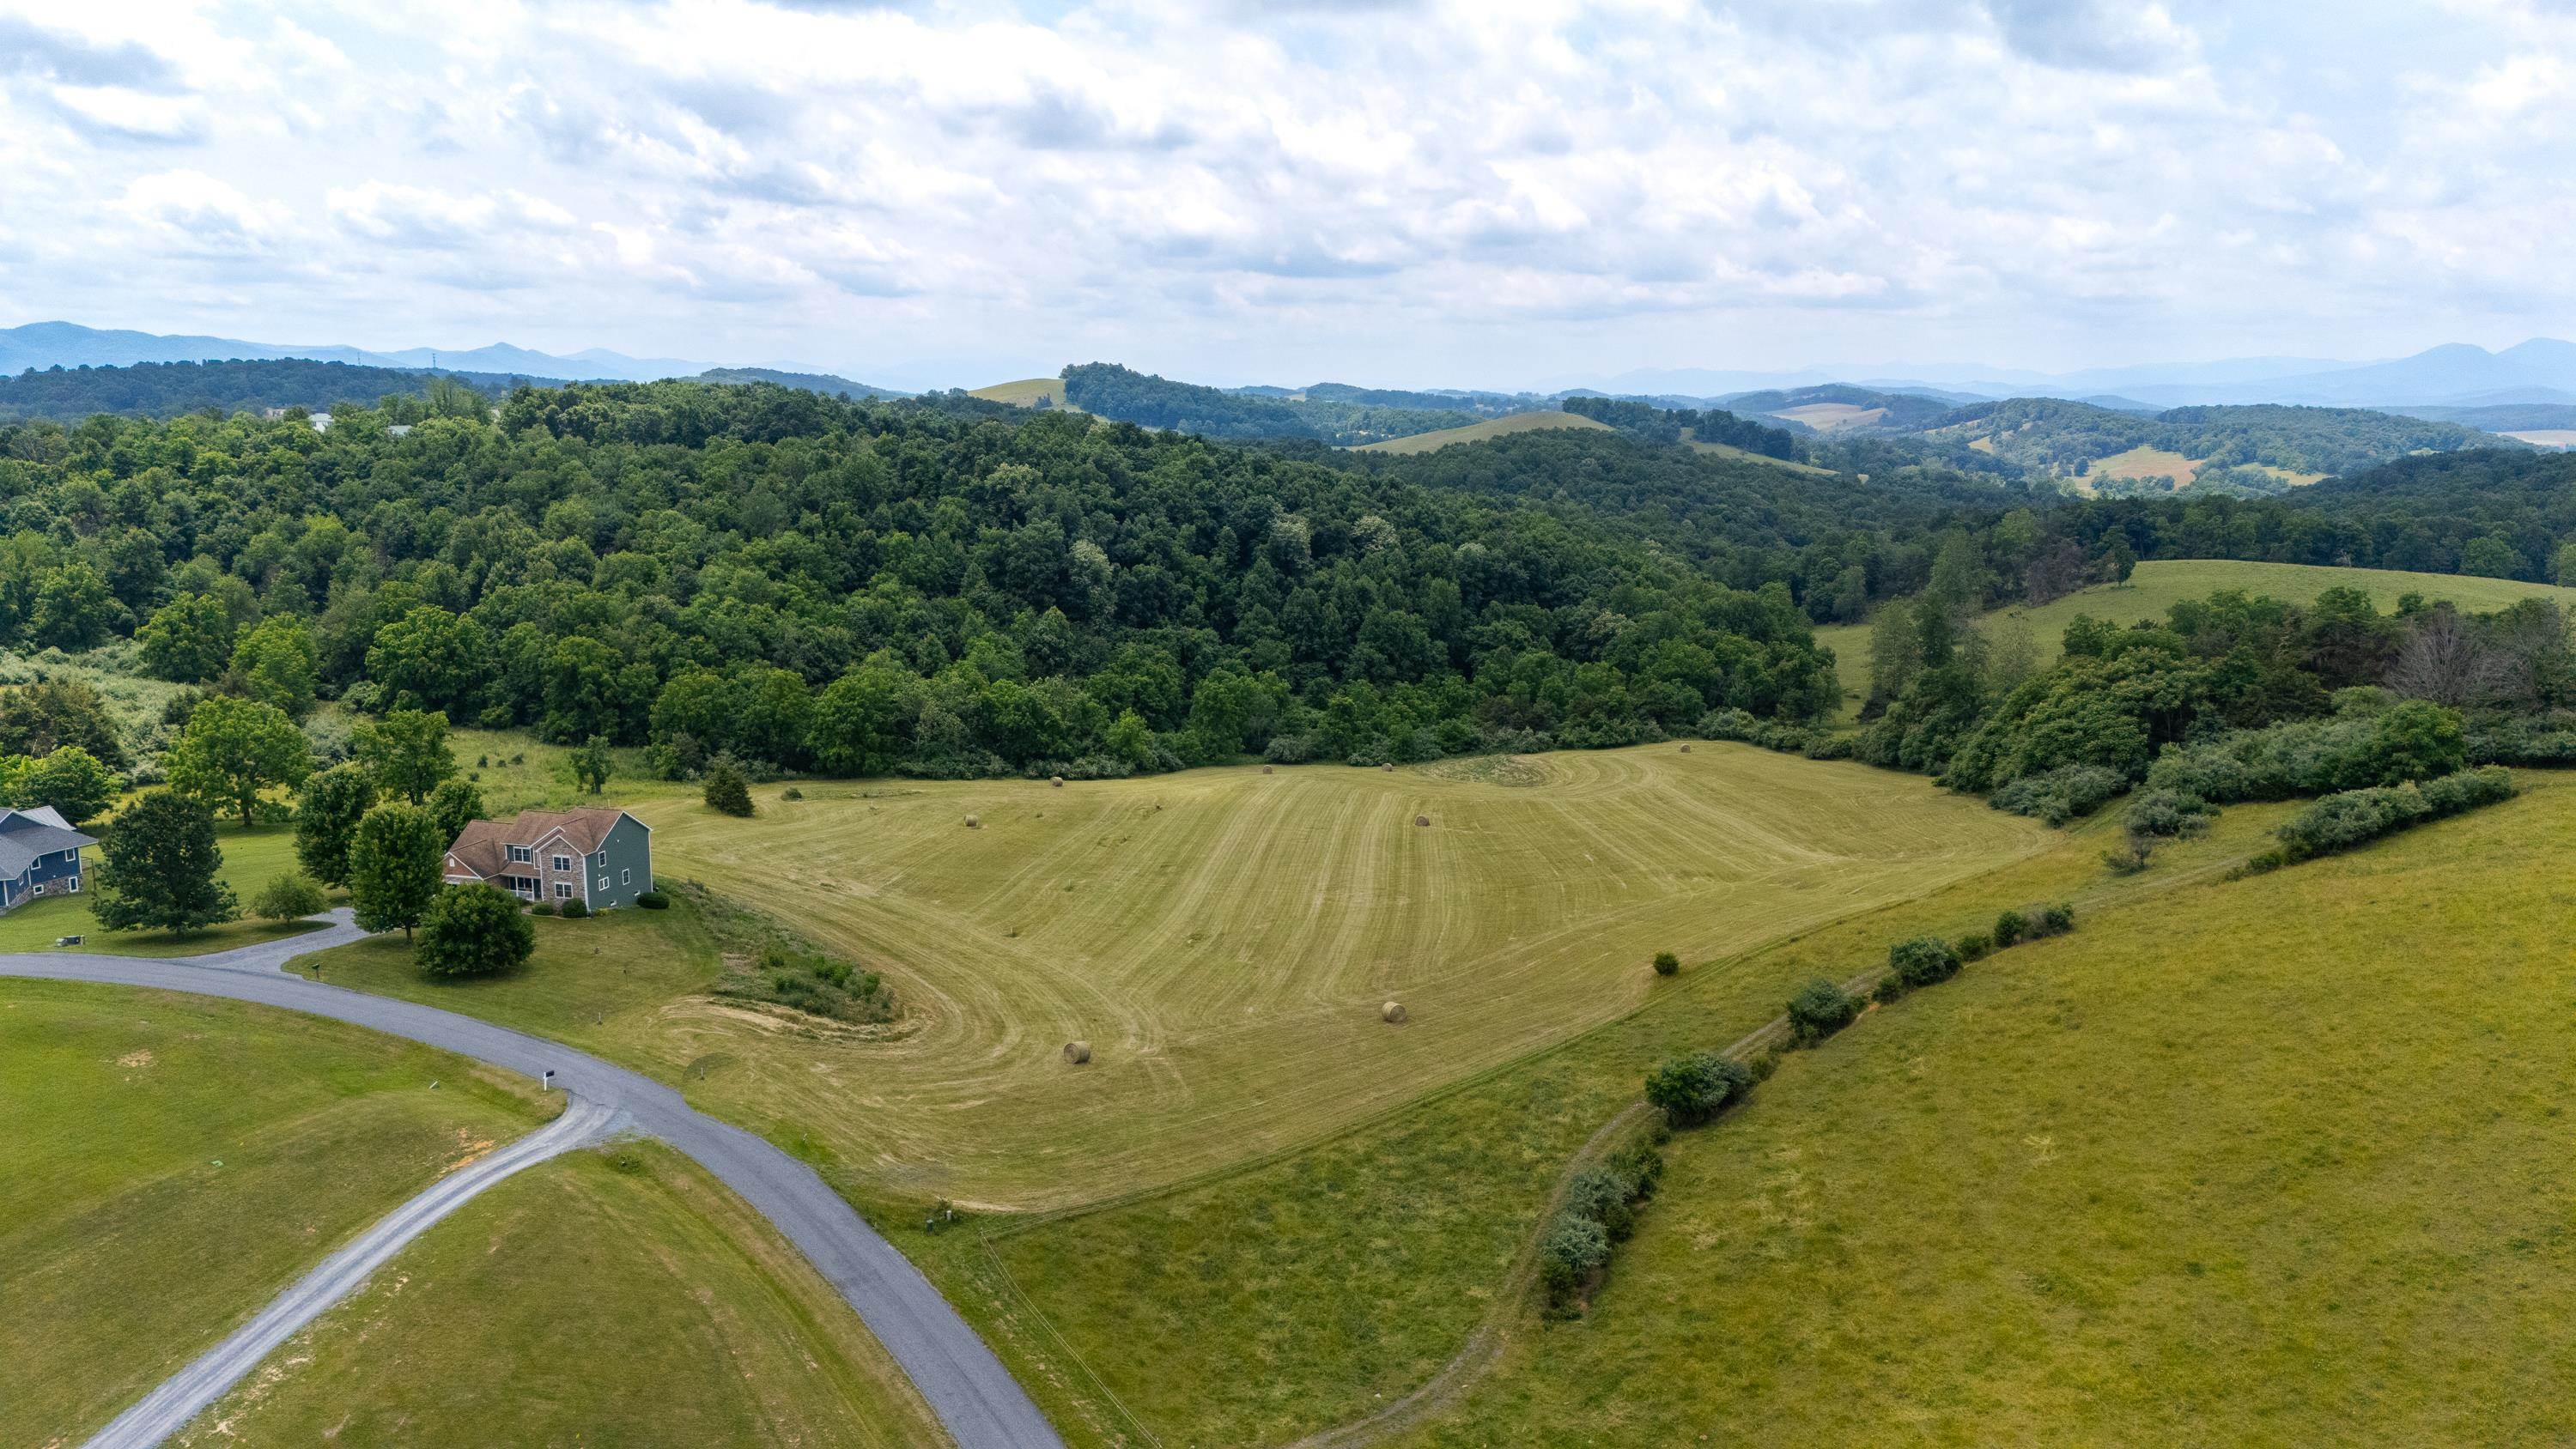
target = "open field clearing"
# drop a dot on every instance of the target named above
(2145, 462)
(1308, 1290)
(169, 1163)
(617, 1296)
(1828, 417)
(2158, 585)
(2548, 437)
(252, 858)
(1223, 940)
(1026, 393)
(1729, 450)
(1480, 432)
(2281, 1160)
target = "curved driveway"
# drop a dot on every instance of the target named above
(975, 1397)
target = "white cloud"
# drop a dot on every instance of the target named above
(1439, 191)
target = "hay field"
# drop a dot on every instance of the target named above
(1026, 393)
(2159, 585)
(2273, 1161)
(1480, 432)
(2145, 462)
(1223, 939)
(1832, 417)
(2547, 437)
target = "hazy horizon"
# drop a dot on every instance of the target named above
(1428, 194)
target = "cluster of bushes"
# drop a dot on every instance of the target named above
(2157, 817)
(811, 982)
(1929, 960)
(2350, 818)
(2368, 741)
(2061, 794)
(1788, 739)
(1599, 1213)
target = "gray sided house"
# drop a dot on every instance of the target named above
(600, 857)
(40, 855)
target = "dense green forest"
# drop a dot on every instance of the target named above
(167, 389)
(1111, 391)
(863, 586)
(1674, 425)
(823, 382)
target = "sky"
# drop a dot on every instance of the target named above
(1498, 193)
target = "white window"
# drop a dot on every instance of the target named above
(524, 855)
(624, 877)
(563, 890)
(73, 886)
(603, 882)
(563, 862)
(40, 888)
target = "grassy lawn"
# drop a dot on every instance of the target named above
(251, 859)
(2159, 585)
(618, 1296)
(1480, 432)
(596, 983)
(1299, 1292)
(1224, 938)
(516, 772)
(2282, 1160)
(169, 1163)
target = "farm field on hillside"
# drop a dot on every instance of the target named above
(1829, 417)
(1729, 450)
(170, 1163)
(2280, 1160)
(1480, 432)
(2160, 584)
(1254, 1306)
(616, 1296)
(2146, 462)
(1223, 940)
(1027, 393)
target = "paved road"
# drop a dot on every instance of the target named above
(167, 1409)
(976, 1398)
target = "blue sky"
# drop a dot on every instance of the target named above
(1497, 193)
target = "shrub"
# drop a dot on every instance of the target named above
(1922, 962)
(791, 793)
(1667, 964)
(2061, 794)
(2355, 817)
(1289, 750)
(1601, 1194)
(1691, 1087)
(654, 901)
(542, 908)
(574, 910)
(290, 896)
(1574, 1249)
(1819, 1010)
(727, 792)
(2009, 928)
(2054, 920)
(473, 930)
(1975, 946)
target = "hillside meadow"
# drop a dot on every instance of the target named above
(2277, 1160)
(617, 1296)
(2157, 585)
(1480, 432)
(171, 1162)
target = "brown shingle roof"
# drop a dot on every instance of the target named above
(480, 846)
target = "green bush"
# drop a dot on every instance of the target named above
(2355, 817)
(290, 896)
(2054, 920)
(2061, 794)
(1574, 1249)
(727, 792)
(791, 793)
(1667, 964)
(473, 930)
(1922, 961)
(575, 909)
(654, 901)
(1601, 1194)
(1819, 1010)
(542, 908)
(2010, 927)
(1975, 946)
(1691, 1087)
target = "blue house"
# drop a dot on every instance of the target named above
(40, 855)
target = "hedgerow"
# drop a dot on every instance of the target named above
(2351, 818)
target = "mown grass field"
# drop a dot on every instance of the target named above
(1224, 938)
(1027, 393)
(2160, 584)
(2282, 1160)
(1480, 432)
(617, 1296)
(252, 858)
(169, 1163)
(1312, 1288)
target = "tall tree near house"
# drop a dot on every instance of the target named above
(454, 805)
(160, 860)
(233, 749)
(327, 813)
(70, 779)
(394, 867)
(406, 750)
(473, 930)
(592, 764)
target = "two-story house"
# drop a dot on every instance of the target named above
(599, 856)
(40, 855)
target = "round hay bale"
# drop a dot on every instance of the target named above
(1077, 1052)
(1392, 1013)
(1421, 819)
(1267, 769)
(1389, 769)
(1056, 780)
(1685, 749)
(974, 824)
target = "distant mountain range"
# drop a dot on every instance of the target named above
(2458, 374)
